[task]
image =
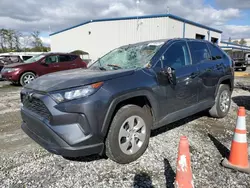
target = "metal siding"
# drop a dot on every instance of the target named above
(175, 29)
(107, 35)
(140, 17)
(192, 30)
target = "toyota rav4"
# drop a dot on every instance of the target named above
(111, 107)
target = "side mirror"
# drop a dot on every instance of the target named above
(170, 74)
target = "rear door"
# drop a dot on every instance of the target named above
(210, 68)
(67, 62)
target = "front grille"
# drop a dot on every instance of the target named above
(36, 106)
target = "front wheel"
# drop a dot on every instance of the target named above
(26, 78)
(222, 102)
(129, 134)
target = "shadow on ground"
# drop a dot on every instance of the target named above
(242, 101)
(85, 159)
(178, 123)
(224, 151)
(142, 179)
(169, 174)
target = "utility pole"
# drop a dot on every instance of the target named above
(167, 7)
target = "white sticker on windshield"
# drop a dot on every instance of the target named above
(155, 43)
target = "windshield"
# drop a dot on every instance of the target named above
(126, 57)
(34, 58)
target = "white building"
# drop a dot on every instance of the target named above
(97, 37)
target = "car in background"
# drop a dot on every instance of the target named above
(248, 58)
(24, 73)
(13, 58)
(7, 59)
(240, 58)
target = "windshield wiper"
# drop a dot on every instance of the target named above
(115, 66)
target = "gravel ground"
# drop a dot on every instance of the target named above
(26, 164)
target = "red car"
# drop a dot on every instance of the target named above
(24, 73)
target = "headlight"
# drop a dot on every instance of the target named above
(76, 93)
(8, 70)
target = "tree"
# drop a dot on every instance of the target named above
(236, 42)
(37, 42)
(3, 39)
(9, 40)
(242, 41)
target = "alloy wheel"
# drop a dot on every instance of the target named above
(132, 135)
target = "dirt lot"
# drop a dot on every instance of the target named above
(26, 164)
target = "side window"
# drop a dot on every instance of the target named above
(73, 57)
(63, 58)
(25, 57)
(215, 52)
(51, 59)
(176, 56)
(199, 52)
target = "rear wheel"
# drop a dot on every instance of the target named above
(26, 78)
(222, 102)
(129, 134)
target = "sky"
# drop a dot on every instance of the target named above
(48, 16)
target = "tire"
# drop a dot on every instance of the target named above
(26, 78)
(217, 110)
(244, 69)
(113, 143)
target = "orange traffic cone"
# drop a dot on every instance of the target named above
(238, 159)
(184, 172)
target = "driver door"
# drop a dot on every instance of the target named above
(51, 64)
(184, 93)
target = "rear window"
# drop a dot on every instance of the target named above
(215, 52)
(199, 52)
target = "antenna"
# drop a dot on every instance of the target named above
(137, 6)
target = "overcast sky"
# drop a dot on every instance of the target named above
(230, 16)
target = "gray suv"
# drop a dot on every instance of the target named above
(111, 107)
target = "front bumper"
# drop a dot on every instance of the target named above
(62, 133)
(13, 76)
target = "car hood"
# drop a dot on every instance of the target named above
(74, 78)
